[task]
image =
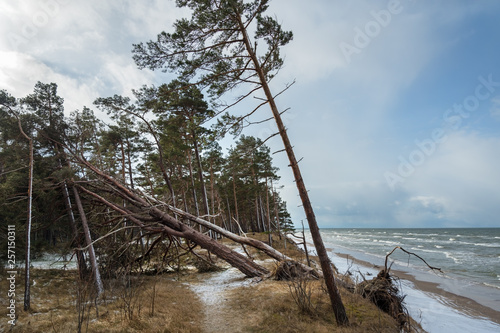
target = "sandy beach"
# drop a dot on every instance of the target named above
(429, 301)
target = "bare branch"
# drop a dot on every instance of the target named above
(410, 253)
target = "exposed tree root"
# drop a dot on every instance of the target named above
(289, 270)
(385, 295)
(383, 292)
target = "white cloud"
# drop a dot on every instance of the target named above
(460, 182)
(21, 72)
(84, 47)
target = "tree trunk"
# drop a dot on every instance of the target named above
(82, 266)
(193, 188)
(270, 251)
(27, 290)
(276, 211)
(88, 238)
(235, 199)
(173, 226)
(268, 215)
(200, 175)
(235, 259)
(176, 228)
(326, 266)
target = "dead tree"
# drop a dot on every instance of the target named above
(90, 246)
(145, 211)
(214, 49)
(169, 224)
(29, 209)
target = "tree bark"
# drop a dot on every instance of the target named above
(27, 287)
(88, 238)
(200, 176)
(270, 251)
(82, 266)
(326, 266)
(193, 188)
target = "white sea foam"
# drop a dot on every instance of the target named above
(451, 256)
(488, 245)
(467, 257)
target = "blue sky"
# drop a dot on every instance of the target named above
(395, 109)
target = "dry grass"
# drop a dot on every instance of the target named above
(54, 306)
(269, 307)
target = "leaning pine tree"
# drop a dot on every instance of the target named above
(213, 50)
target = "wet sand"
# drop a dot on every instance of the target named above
(463, 304)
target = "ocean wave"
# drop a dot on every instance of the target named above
(450, 256)
(438, 246)
(491, 285)
(488, 245)
(431, 251)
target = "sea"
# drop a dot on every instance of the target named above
(463, 297)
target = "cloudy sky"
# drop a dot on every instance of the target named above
(395, 110)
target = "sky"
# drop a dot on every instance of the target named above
(395, 109)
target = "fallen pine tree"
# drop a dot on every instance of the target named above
(152, 215)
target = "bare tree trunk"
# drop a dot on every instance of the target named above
(326, 266)
(268, 216)
(200, 175)
(270, 251)
(176, 228)
(129, 162)
(235, 199)
(27, 290)
(88, 238)
(229, 214)
(276, 211)
(82, 266)
(27, 293)
(161, 161)
(193, 188)
(257, 215)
